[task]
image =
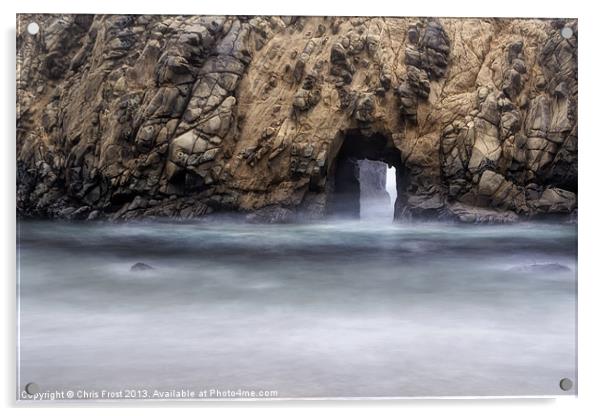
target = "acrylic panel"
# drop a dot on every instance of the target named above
(282, 207)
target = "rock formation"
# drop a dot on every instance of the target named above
(124, 117)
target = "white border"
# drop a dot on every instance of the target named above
(590, 151)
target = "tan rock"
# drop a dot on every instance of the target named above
(268, 102)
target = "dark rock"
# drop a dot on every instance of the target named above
(141, 267)
(271, 215)
(556, 200)
(477, 215)
(93, 215)
(541, 268)
(364, 108)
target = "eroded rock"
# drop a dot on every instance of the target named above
(124, 117)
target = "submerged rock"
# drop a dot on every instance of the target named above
(141, 267)
(541, 268)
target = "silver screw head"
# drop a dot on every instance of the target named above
(566, 32)
(33, 28)
(32, 388)
(566, 384)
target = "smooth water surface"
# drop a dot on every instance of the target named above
(316, 310)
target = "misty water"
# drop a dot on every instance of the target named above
(335, 309)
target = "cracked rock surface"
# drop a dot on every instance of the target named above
(124, 117)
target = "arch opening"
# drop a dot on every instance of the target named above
(366, 179)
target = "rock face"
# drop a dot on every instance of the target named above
(123, 117)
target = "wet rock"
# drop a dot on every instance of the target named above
(556, 200)
(425, 206)
(476, 215)
(94, 215)
(271, 215)
(141, 267)
(541, 268)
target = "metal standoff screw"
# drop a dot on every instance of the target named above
(32, 388)
(566, 384)
(566, 32)
(33, 28)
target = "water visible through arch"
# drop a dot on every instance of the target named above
(376, 199)
(361, 175)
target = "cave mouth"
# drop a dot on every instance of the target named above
(364, 168)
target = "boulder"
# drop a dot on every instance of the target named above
(475, 215)
(556, 200)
